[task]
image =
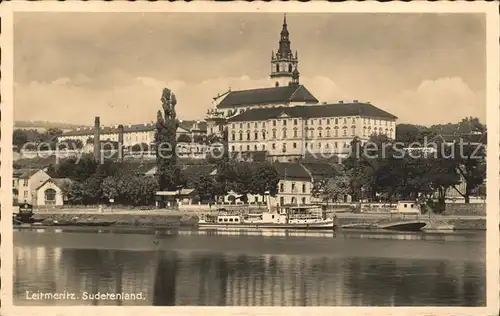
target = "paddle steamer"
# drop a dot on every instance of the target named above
(283, 217)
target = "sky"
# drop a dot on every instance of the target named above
(69, 67)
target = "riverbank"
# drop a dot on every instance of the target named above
(462, 223)
(173, 219)
(129, 219)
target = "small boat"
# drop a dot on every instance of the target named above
(284, 217)
(407, 226)
(24, 215)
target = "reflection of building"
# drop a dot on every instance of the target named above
(286, 120)
(190, 278)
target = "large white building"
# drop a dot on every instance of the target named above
(286, 121)
(290, 132)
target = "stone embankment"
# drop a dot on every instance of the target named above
(172, 219)
(367, 220)
(117, 219)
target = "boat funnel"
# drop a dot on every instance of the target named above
(268, 200)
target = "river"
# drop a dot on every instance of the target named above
(195, 268)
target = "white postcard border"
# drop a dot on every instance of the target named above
(493, 118)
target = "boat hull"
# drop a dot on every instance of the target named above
(311, 226)
(408, 227)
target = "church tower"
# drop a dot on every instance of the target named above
(283, 63)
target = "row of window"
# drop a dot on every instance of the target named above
(284, 133)
(368, 131)
(304, 187)
(294, 146)
(387, 123)
(294, 200)
(231, 220)
(313, 121)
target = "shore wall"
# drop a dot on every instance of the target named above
(135, 220)
(460, 224)
(183, 220)
(477, 209)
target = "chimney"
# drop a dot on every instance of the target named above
(120, 143)
(97, 140)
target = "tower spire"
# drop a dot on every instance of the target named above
(283, 62)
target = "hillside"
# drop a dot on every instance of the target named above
(45, 125)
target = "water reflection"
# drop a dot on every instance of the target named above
(211, 277)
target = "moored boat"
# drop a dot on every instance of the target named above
(284, 217)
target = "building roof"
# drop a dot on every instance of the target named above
(136, 128)
(28, 173)
(274, 95)
(291, 171)
(36, 162)
(191, 173)
(320, 170)
(184, 192)
(190, 125)
(23, 173)
(59, 182)
(313, 111)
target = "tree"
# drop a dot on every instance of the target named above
(409, 133)
(165, 139)
(213, 139)
(265, 179)
(184, 138)
(200, 139)
(470, 163)
(70, 144)
(19, 138)
(77, 169)
(465, 126)
(51, 134)
(142, 147)
(130, 189)
(332, 188)
(76, 193)
(206, 187)
(240, 180)
(360, 167)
